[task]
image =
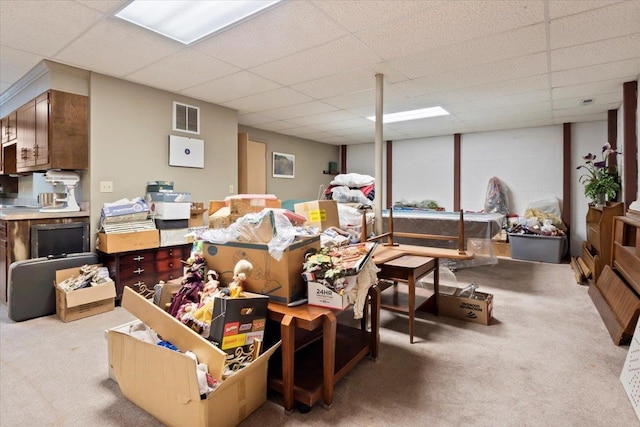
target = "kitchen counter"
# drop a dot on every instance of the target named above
(20, 213)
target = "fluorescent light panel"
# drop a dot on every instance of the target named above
(188, 21)
(411, 115)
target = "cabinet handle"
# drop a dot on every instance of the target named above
(170, 251)
(139, 270)
(35, 151)
(170, 265)
(24, 153)
(138, 258)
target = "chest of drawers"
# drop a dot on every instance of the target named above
(143, 269)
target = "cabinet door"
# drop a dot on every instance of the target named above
(41, 148)
(4, 135)
(26, 136)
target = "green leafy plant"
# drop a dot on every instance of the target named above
(597, 179)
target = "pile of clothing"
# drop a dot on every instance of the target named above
(352, 188)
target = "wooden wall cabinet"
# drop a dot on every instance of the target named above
(597, 249)
(53, 133)
(9, 128)
(143, 269)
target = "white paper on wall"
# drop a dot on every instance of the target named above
(630, 375)
(186, 152)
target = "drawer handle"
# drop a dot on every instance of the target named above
(170, 265)
(138, 258)
(139, 271)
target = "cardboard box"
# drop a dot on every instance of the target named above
(84, 302)
(243, 204)
(238, 322)
(164, 382)
(175, 237)
(477, 310)
(281, 280)
(531, 247)
(137, 207)
(171, 210)
(124, 242)
(319, 213)
(157, 186)
(197, 217)
(322, 296)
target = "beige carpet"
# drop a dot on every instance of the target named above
(546, 360)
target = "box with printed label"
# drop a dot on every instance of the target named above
(171, 210)
(477, 309)
(319, 213)
(322, 296)
(238, 322)
(243, 204)
(85, 302)
(281, 279)
(167, 196)
(164, 382)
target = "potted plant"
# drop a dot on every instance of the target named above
(600, 184)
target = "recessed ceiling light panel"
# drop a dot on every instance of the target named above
(188, 21)
(422, 113)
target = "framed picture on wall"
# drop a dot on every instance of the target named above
(284, 165)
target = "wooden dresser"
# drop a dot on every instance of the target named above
(616, 293)
(143, 269)
(597, 249)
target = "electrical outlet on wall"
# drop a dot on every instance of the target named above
(231, 189)
(106, 186)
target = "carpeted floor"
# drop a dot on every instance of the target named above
(546, 360)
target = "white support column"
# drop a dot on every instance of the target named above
(378, 156)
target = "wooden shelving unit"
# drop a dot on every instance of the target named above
(597, 249)
(626, 250)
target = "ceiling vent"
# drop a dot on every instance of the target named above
(186, 118)
(587, 101)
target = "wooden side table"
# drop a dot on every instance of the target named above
(408, 269)
(310, 335)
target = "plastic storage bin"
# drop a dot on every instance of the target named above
(531, 247)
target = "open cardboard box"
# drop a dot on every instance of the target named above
(164, 383)
(85, 302)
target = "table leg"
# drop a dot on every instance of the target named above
(436, 285)
(287, 334)
(412, 304)
(374, 295)
(329, 327)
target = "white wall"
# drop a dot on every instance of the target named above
(528, 161)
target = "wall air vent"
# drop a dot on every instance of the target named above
(587, 101)
(186, 118)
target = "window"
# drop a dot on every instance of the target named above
(186, 118)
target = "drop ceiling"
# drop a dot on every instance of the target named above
(307, 68)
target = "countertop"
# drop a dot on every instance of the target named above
(19, 213)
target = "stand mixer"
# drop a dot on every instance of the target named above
(69, 180)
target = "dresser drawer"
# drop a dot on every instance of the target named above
(136, 258)
(180, 252)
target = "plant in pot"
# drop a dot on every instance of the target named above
(599, 183)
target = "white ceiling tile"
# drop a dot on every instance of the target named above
(43, 27)
(299, 110)
(495, 47)
(343, 124)
(286, 29)
(117, 48)
(268, 100)
(503, 88)
(182, 70)
(574, 103)
(332, 116)
(252, 119)
(560, 8)
(604, 23)
(276, 126)
(239, 85)
(588, 90)
(338, 84)
(581, 118)
(16, 63)
(104, 5)
(588, 109)
(339, 56)
(352, 100)
(540, 109)
(358, 15)
(509, 69)
(500, 101)
(441, 26)
(627, 69)
(600, 52)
